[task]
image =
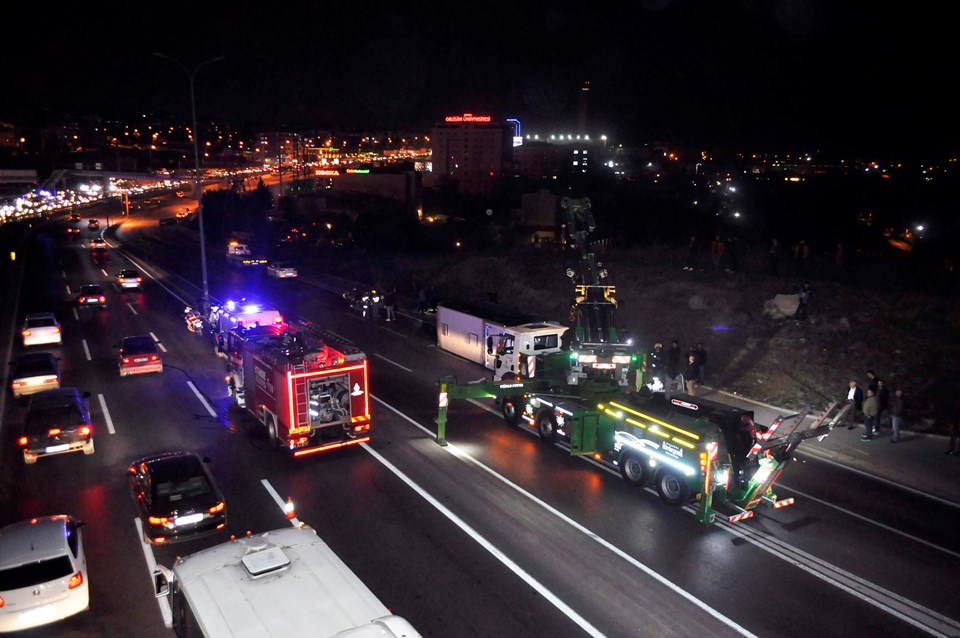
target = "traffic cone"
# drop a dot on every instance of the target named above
(288, 509)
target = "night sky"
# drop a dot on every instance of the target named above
(765, 75)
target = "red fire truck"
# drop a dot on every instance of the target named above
(307, 387)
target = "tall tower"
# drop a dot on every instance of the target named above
(582, 109)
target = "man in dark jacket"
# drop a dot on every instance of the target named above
(854, 403)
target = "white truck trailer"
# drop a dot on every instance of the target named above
(501, 341)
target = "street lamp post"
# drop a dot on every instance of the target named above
(205, 301)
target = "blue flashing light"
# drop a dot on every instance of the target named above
(251, 308)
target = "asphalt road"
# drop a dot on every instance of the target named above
(497, 534)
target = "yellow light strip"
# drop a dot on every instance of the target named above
(636, 423)
(686, 444)
(655, 420)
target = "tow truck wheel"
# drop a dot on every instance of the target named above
(672, 489)
(634, 469)
(511, 411)
(547, 426)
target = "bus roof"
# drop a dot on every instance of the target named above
(285, 582)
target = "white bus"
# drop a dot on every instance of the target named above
(286, 582)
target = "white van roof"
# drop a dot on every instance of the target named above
(285, 582)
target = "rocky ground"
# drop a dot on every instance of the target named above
(863, 316)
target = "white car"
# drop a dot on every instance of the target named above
(43, 572)
(34, 372)
(282, 270)
(41, 328)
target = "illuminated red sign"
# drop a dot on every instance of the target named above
(467, 117)
(323, 172)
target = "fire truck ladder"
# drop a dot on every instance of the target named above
(300, 395)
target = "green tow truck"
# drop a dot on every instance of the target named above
(689, 448)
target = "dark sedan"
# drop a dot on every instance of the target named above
(176, 497)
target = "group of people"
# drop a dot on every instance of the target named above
(674, 370)
(878, 403)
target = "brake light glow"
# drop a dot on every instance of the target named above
(157, 520)
(54, 431)
(75, 581)
(1, 602)
(56, 330)
(217, 508)
(102, 299)
(154, 357)
(17, 384)
(86, 430)
(25, 333)
(22, 441)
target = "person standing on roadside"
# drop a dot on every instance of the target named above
(692, 374)
(854, 404)
(896, 414)
(701, 354)
(883, 401)
(671, 367)
(955, 433)
(872, 379)
(869, 415)
(390, 301)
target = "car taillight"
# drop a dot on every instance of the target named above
(139, 279)
(53, 431)
(22, 441)
(361, 427)
(124, 360)
(75, 581)
(17, 384)
(53, 380)
(157, 520)
(103, 299)
(217, 508)
(26, 333)
(56, 330)
(154, 357)
(86, 430)
(83, 299)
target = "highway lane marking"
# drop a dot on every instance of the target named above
(63, 273)
(152, 567)
(880, 479)
(132, 309)
(908, 611)
(69, 292)
(106, 414)
(452, 449)
(76, 315)
(210, 410)
(487, 545)
(393, 332)
(86, 348)
(380, 356)
(159, 345)
(279, 501)
(105, 273)
(870, 521)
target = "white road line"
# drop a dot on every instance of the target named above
(380, 356)
(280, 502)
(151, 567)
(393, 332)
(159, 345)
(210, 410)
(105, 273)
(69, 292)
(132, 309)
(86, 348)
(452, 449)
(106, 414)
(870, 521)
(63, 273)
(76, 315)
